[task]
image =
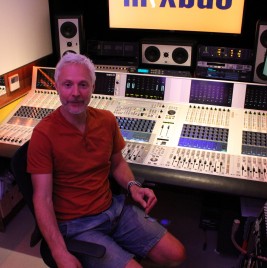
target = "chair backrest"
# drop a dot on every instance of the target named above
(23, 179)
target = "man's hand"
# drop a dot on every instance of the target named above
(67, 260)
(144, 196)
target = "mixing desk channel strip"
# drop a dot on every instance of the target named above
(204, 137)
(254, 143)
(208, 115)
(200, 161)
(136, 129)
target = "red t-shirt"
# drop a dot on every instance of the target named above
(80, 163)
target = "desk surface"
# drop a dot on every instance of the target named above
(6, 110)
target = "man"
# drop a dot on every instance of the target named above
(70, 155)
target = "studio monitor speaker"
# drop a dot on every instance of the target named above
(167, 53)
(70, 36)
(260, 51)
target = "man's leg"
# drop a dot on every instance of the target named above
(146, 238)
(168, 251)
(133, 264)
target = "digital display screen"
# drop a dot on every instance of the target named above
(147, 87)
(142, 71)
(45, 78)
(105, 83)
(256, 97)
(212, 93)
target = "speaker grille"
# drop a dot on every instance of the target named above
(261, 52)
(180, 55)
(263, 38)
(68, 29)
(152, 54)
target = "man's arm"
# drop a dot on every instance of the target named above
(123, 175)
(46, 219)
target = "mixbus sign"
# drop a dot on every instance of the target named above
(223, 16)
(221, 4)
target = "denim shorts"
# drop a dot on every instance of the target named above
(123, 229)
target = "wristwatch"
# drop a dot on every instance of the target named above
(131, 183)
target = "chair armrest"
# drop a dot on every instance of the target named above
(36, 236)
(86, 248)
(76, 247)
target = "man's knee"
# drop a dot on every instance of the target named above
(178, 255)
(169, 251)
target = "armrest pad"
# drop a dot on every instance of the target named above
(88, 248)
(76, 247)
(36, 236)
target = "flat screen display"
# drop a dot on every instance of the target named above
(211, 92)
(214, 16)
(146, 87)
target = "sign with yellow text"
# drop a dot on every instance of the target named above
(217, 16)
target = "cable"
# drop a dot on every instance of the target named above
(235, 227)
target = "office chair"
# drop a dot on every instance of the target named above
(23, 179)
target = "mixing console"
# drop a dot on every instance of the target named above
(178, 130)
